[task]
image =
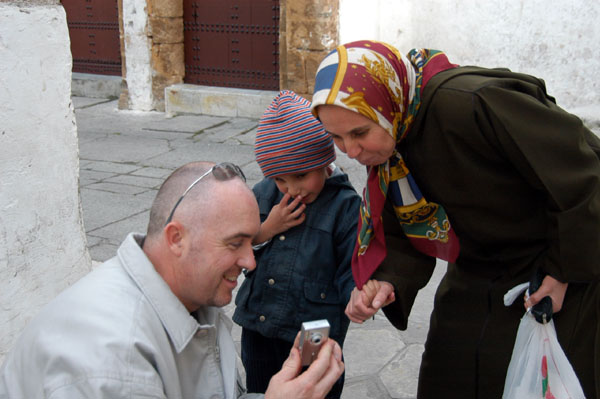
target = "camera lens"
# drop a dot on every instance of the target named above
(316, 338)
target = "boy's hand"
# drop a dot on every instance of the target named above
(366, 302)
(284, 216)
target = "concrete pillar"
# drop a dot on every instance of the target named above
(151, 50)
(136, 56)
(42, 240)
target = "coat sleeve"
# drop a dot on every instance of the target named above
(345, 239)
(558, 156)
(404, 267)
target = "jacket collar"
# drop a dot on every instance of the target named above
(179, 324)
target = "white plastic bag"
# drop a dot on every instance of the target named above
(539, 368)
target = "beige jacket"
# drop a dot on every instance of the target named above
(120, 332)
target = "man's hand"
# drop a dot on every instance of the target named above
(315, 382)
(366, 302)
(550, 287)
(282, 217)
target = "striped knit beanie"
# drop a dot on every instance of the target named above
(289, 139)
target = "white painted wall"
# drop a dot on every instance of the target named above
(553, 39)
(42, 241)
(137, 55)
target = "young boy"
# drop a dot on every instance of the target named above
(308, 210)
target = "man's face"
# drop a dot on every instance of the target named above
(220, 248)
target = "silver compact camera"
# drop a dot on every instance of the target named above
(312, 336)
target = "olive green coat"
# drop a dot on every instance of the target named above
(520, 180)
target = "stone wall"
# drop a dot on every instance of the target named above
(42, 240)
(308, 32)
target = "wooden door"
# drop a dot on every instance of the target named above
(94, 32)
(232, 43)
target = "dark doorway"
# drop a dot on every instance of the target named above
(232, 43)
(94, 32)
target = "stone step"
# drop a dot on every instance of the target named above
(219, 101)
(95, 86)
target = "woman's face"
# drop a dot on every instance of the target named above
(357, 136)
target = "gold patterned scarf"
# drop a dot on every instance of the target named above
(376, 81)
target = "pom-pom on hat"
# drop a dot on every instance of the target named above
(289, 139)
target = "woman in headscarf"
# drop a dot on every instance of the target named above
(478, 167)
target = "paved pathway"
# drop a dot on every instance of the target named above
(124, 157)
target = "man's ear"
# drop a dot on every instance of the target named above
(174, 235)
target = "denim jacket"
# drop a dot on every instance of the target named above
(303, 273)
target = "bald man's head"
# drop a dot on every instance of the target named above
(193, 181)
(207, 243)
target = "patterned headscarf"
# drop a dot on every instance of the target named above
(376, 81)
(289, 139)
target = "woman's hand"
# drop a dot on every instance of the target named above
(366, 302)
(550, 287)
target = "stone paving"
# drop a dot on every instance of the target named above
(124, 157)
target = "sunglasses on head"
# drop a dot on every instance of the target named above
(222, 171)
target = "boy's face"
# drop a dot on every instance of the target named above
(306, 184)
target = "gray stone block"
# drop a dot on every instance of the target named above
(401, 374)
(137, 181)
(363, 359)
(122, 148)
(159, 173)
(365, 388)
(87, 177)
(103, 252)
(208, 100)
(115, 233)
(103, 208)
(116, 188)
(91, 85)
(201, 152)
(109, 167)
(188, 123)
